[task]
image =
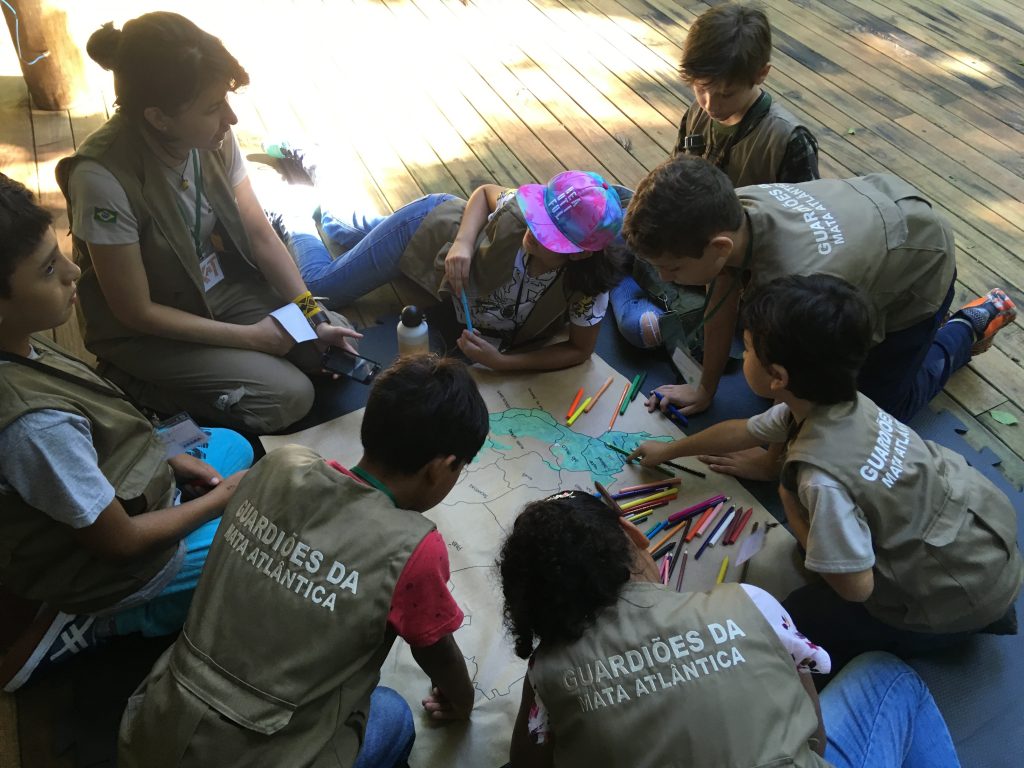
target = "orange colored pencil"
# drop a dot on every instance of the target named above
(575, 402)
(593, 400)
(699, 522)
(666, 537)
(615, 413)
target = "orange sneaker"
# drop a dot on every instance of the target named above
(986, 315)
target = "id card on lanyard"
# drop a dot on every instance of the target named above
(209, 265)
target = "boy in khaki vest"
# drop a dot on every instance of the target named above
(917, 549)
(313, 574)
(734, 124)
(92, 535)
(875, 231)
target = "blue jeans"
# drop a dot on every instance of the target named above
(227, 452)
(390, 732)
(634, 313)
(370, 263)
(910, 367)
(879, 714)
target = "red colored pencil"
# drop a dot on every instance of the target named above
(575, 402)
(615, 413)
(741, 526)
(700, 521)
(662, 484)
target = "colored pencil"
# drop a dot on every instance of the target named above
(593, 402)
(666, 568)
(658, 485)
(643, 498)
(732, 525)
(679, 546)
(695, 508)
(465, 311)
(579, 410)
(723, 526)
(669, 492)
(659, 467)
(722, 570)
(639, 383)
(608, 498)
(672, 532)
(632, 393)
(716, 517)
(671, 411)
(682, 570)
(575, 402)
(656, 504)
(651, 533)
(639, 517)
(740, 526)
(659, 553)
(647, 486)
(622, 399)
(711, 535)
(700, 523)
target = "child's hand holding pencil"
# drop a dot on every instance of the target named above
(651, 453)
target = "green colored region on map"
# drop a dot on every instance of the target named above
(569, 450)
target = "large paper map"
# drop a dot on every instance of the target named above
(529, 453)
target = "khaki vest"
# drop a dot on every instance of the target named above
(666, 679)
(756, 156)
(168, 252)
(945, 538)
(875, 232)
(491, 267)
(288, 627)
(40, 558)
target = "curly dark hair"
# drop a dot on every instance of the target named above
(817, 327)
(565, 560)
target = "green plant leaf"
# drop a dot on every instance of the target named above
(1004, 417)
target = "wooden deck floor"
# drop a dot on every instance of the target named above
(417, 96)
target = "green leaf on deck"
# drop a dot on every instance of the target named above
(1004, 417)
(851, 131)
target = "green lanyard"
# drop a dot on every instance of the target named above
(371, 480)
(197, 172)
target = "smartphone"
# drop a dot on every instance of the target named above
(362, 369)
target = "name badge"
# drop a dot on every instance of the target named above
(211, 271)
(180, 434)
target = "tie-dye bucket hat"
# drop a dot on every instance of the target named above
(575, 211)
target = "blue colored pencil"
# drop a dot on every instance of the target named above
(465, 310)
(673, 412)
(712, 532)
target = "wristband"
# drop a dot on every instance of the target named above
(307, 304)
(319, 318)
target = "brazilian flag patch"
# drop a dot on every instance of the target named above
(105, 215)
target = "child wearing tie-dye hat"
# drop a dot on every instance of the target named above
(528, 259)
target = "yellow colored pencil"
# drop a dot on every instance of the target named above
(593, 402)
(644, 499)
(722, 570)
(579, 410)
(615, 413)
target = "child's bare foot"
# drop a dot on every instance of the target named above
(751, 464)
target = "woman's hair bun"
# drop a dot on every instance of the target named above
(104, 46)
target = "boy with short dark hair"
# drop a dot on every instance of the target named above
(314, 573)
(918, 549)
(876, 231)
(91, 529)
(734, 124)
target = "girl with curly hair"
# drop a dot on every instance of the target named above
(626, 672)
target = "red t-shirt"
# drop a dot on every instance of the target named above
(422, 608)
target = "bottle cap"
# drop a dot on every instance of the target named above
(411, 316)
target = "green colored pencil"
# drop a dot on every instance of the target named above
(632, 393)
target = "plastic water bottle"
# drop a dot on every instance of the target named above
(413, 338)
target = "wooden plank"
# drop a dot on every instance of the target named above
(979, 436)
(1012, 435)
(973, 392)
(1001, 372)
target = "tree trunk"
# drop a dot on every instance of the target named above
(53, 81)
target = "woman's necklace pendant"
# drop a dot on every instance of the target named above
(184, 184)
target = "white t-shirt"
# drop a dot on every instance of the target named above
(103, 216)
(807, 657)
(839, 540)
(494, 313)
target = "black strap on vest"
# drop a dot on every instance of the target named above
(95, 386)
(754, 115)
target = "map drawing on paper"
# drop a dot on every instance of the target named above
(529, 454)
